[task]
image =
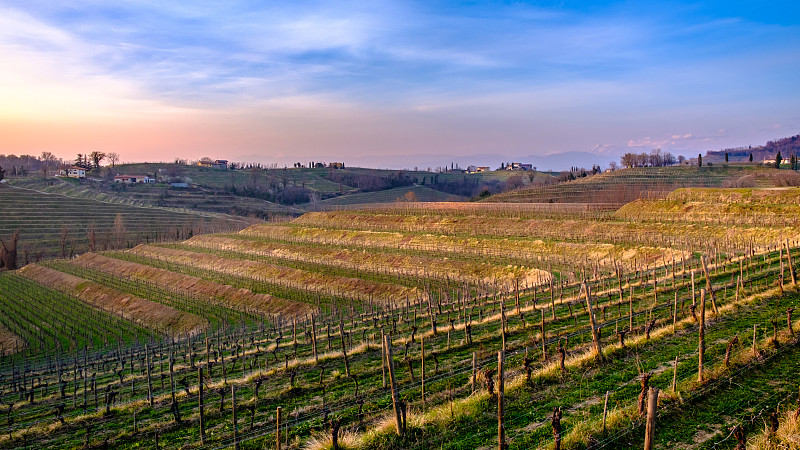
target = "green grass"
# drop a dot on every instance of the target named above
(50, 321)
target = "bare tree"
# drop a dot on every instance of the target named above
(92, 237)
(514, 182)
(64, 237)
(175, 170)
(8, 252)
(113, 158)
(119, 230)
(97, 157)
(47, 159)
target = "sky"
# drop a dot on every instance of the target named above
(395, 84)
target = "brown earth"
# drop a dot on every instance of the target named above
(145, 313)
(354, 288)
(219, 294)
(9, 341)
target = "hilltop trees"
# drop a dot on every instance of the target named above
(24, 164)
(97, 157)
(653, 159)
(91, 160)
(2, 173)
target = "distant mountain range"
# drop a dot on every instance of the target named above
(553, 162)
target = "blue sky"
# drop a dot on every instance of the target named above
(395, 84)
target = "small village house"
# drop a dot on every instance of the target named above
(72, 172)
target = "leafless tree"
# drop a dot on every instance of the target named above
(97, 157)
(48, 159)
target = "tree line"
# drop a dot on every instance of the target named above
(653, 159)
(47, 163)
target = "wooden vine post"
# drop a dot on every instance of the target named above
(175, 408)
(314, 337)
(789, 261)
(235, 424)
(544, 339)
(344, 350)
(708, 286)
(595, 337)
(675, 376)
(630, 310)
(702, 344)
(556, 424)
(674, 312)
(605, 413)
(383, 357)
(501, 428)
(422, 347)
(502, 327)
(474, 372)
(278, 414)
(398, 415)
(201, 399)
(149, 379)
(652, 408)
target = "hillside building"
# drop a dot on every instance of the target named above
(72, 172)
(216, 164)
(130, 179)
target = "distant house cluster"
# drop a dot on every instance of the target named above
(477, 169)
(216, 164)
(503, 166)
(131, 179)
(519, 166)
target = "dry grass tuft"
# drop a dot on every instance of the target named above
(787, 437)
(322, 441)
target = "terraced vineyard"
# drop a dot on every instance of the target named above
(626, 185)
(53, 225)
(277, 332)
(410, 193)
(777, 207)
